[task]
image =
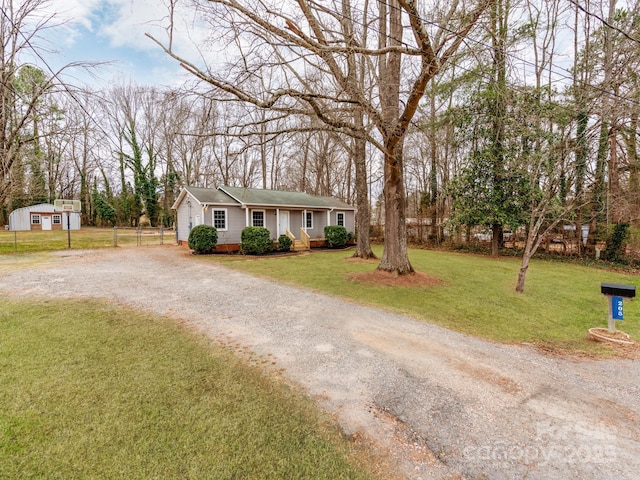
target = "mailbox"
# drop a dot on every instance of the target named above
(615, 290)
(616, 293)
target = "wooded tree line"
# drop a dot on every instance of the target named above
(497, 113)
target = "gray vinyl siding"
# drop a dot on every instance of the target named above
(295, 222)
(271, 222)
(319, 222)
(183, 217)
(235, 220)
(349, 219)
(235, 223)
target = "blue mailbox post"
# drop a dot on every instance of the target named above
(616, 295)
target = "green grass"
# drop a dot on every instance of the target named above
(89, 390)
(477, 295)
(86, 237)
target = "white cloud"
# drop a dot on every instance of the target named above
(121, 22)
(74, 13)
(126, 23)
(114, 30)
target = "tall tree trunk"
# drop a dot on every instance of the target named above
(305, 162)
(599, 205)
(581, 168)
(395, 257)
(600, 186)
(433, 172)
(613, 198)
(355, 77)
(363, 214)
(582, 122)
(263, 150)
(500, 15)
(634, 163)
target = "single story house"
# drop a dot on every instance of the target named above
(42, 217)
(300, 216)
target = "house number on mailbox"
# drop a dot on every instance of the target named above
(617, 309)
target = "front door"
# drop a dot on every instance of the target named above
(284, 222)
(46, 222)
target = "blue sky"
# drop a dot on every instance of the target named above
(114, 31)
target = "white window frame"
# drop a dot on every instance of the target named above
(226, 221)
(56, 219)
(306, 225)
(36, 219)
(264, 218)
(344, 219)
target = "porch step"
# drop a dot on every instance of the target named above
(298, 245)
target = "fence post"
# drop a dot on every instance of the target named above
(115, 236)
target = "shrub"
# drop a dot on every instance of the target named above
(256, 241)
(336, 236)
(284, 243)
(104, 209)
(616, 246)
(203, 239)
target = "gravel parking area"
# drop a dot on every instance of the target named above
(433, 403)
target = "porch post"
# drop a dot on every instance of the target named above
(278, 223)
(246, 216)
(304, 220)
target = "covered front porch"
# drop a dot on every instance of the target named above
(305, 227)
(299, 244)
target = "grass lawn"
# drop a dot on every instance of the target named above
(476, 296)
(86, 237)
(90, 390)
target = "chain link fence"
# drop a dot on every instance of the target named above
(88, 237)
(142, 236)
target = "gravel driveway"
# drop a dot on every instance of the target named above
(434, 403)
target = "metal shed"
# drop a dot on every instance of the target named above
(42, 217)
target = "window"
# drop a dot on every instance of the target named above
(220, 219)
(340, 219)
(309, 220)
(35, 219)
(57, 219)
(257, 218)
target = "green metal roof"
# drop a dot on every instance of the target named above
(277, 198)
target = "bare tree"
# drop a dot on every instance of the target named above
(305, 42)
(88, 148)
(19, 27)
(22, 24)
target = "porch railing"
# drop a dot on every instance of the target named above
(305, 238)
(290, 235)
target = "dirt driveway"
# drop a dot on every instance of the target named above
(435, 403)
